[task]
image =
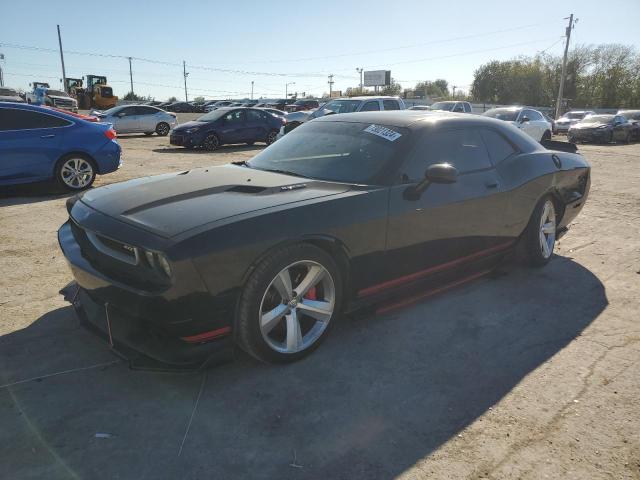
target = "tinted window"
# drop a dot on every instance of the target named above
(467, 107)
(338, 151)
(370, 107)
(390, 105)
(13, 119)
(128, 111)
(506, 114)
(533, 115)
(499, 148)
(458, 108)
(235, 117)
(462, 148)
(146, 111)
(255, 116)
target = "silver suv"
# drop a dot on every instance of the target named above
(342, 105)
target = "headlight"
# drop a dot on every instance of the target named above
(164, 264)
(603, 126)
(158, 261)
(191, 130)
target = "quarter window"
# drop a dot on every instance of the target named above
(14, 119)
(255, 116)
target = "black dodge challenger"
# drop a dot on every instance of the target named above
(348, 212)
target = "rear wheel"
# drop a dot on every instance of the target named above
(75, 172)
(273, 135)
(162, 129)
(288, 304)
(540, 236)
(211, 142)
(546, 136)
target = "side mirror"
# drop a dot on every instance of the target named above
(437, 173)
(524, 119)
(441, 173)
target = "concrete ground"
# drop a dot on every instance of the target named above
(530, 374)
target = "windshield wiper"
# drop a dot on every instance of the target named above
(284, 172)
(241, 163)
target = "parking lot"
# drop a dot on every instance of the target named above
(526, 374)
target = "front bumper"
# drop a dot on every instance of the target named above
(590, 135)
(165, 325)
(184, 140)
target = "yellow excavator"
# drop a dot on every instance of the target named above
(97, 94)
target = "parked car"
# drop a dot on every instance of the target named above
(601, 128)
(554, 127)
(10, 95)
(452, 106)
(139, 119)
(274, 111)
(180, 107)
(342, 105)
(197, 107)
(346, 212)
(633, 116)
(571, 118)
(54, 98)
(281, 103)
(41, 143)
(419, 107)
(227, 125)
(302, 104)
(530, 121)
(216, 105)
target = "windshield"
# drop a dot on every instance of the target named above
(56, 93)
(8, 92)
(574, 115)
(630, 115)
(448, 106)
(502, 114)
(598, 119)
(211, 116)
(335, 151)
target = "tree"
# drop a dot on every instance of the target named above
(133, 96)
(172, 99)
(199, 99)
(394, 88)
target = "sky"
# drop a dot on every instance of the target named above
(228, 45)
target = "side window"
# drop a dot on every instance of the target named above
(463, 148)
(390, 105)
(234, 118)
(619, 119)
(128, 112)
(14, 119)
(467, 107)
(499, 148)
(255, 116)
(146, 111)
(533, 115)
(458, 108)
(370, 106)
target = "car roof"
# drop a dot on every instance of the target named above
(414, 119)
(373, 97)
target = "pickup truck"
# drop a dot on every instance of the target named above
(42, 95)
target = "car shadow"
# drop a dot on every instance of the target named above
(222, 149)
(32, 193)
(379, 395)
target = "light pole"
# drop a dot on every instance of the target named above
(186, 74)
(360, 70)
(251, 89)
(286, 89)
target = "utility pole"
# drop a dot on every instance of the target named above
(1, 74)
(360, 70)
(184, 72)
(131, 77)
(64, 73)
(330, 82)
(564, 65)
(454, 91)
(286, 89)
(251, 89)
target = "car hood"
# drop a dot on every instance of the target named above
(589, 126)
(187, 125)
(11, 98)
(169, 205)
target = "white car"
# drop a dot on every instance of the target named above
(569, 119)
(530, 121)
(138, 119)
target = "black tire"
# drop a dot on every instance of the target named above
(271, 137)
(533, 249)
(148, 134)
(83, 164)
(211, 142)
(571, 139)
(546, 136)
(248, 334)
(162, 129)
(627, 139)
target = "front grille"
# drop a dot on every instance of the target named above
(62, 103)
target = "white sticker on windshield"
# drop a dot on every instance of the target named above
(383, 132)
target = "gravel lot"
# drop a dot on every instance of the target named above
(528, 374)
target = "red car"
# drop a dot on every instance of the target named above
(300, 105)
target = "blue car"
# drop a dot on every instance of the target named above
(42, 143)
(228, 125)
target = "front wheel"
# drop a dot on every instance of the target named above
(288, 304)
(162, 129)
(75, 172)
(211, 142)
(540, 236)
(546, 136)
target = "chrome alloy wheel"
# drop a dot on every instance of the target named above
(297, 306)
(76, 173)
(547, 229)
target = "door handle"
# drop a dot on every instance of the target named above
(492, 184)
(47, 136)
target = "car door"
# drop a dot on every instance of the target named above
(146, 118)
(620, 127)
(525, 124)
(30, 144)
(127, 120)
(256, 126)
(447, 222)
(233, 128)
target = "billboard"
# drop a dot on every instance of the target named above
(377, 78)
